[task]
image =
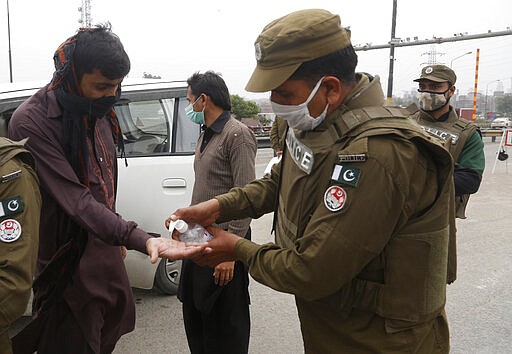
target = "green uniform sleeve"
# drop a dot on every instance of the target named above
(394, 183)
(253, 200)
(18, 258)
(472, 155)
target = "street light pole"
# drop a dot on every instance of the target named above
(392, 53)
(460, 56)
(9, 39)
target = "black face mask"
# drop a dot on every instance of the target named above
(80, 105)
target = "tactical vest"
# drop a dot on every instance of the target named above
(453, 133)
(10, 148)
(406, 296)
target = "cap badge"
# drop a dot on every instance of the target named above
(335, 198)
(429, 70)
(257, 51)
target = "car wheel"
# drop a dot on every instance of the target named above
(167, 276)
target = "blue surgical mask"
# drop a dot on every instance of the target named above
(195, 117)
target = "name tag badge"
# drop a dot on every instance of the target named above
(351, 158)
(10, 176)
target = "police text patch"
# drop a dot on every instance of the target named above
(442, 134)
(301, 154)
(346, 174)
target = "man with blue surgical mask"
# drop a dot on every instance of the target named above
(362, 200)
(462, 138)
(216, 299)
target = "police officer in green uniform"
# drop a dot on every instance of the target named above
(277, 135)
(461, 137)
(20, 206)
(362, 200)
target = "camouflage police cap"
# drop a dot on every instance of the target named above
(286, 43)
(438, 73)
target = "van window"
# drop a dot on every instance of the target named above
(148, 127)
(187, 132)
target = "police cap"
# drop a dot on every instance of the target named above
(286, 43)
(438, 73)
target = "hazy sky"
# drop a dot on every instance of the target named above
(173, 39)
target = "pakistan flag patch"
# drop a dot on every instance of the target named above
(346, 174)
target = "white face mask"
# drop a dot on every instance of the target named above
(431, 101)
(298, 117)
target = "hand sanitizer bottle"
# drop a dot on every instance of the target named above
(196, 233)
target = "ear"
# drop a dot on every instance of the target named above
(452, 90)
(334, 90)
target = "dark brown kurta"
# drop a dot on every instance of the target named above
(100, 290)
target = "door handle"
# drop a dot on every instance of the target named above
(174, 183)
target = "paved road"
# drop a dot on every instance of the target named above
(479, 303)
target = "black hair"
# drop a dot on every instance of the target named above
(213, 86)
(341, 64)
(99, 48)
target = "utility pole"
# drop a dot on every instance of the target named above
(9, 39)
(392, 53)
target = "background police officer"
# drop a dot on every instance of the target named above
(461, 137)
(20, 206)
(277, 133)
(363, 200)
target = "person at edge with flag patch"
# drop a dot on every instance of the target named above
(83, 302)
(20, 207)
(462, 138)
(362, 200)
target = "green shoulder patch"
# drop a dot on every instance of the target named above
(11, 206)
(346, 174)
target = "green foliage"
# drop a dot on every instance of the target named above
(504, 105)
(241, 108)
(264, 121)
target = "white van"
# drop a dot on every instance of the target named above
(159, 144)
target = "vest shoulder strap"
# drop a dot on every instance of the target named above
(462, 125)
(464, 129)
(355, 118)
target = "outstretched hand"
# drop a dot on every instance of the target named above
(219, 249)
(172, 249)
(204, 213)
